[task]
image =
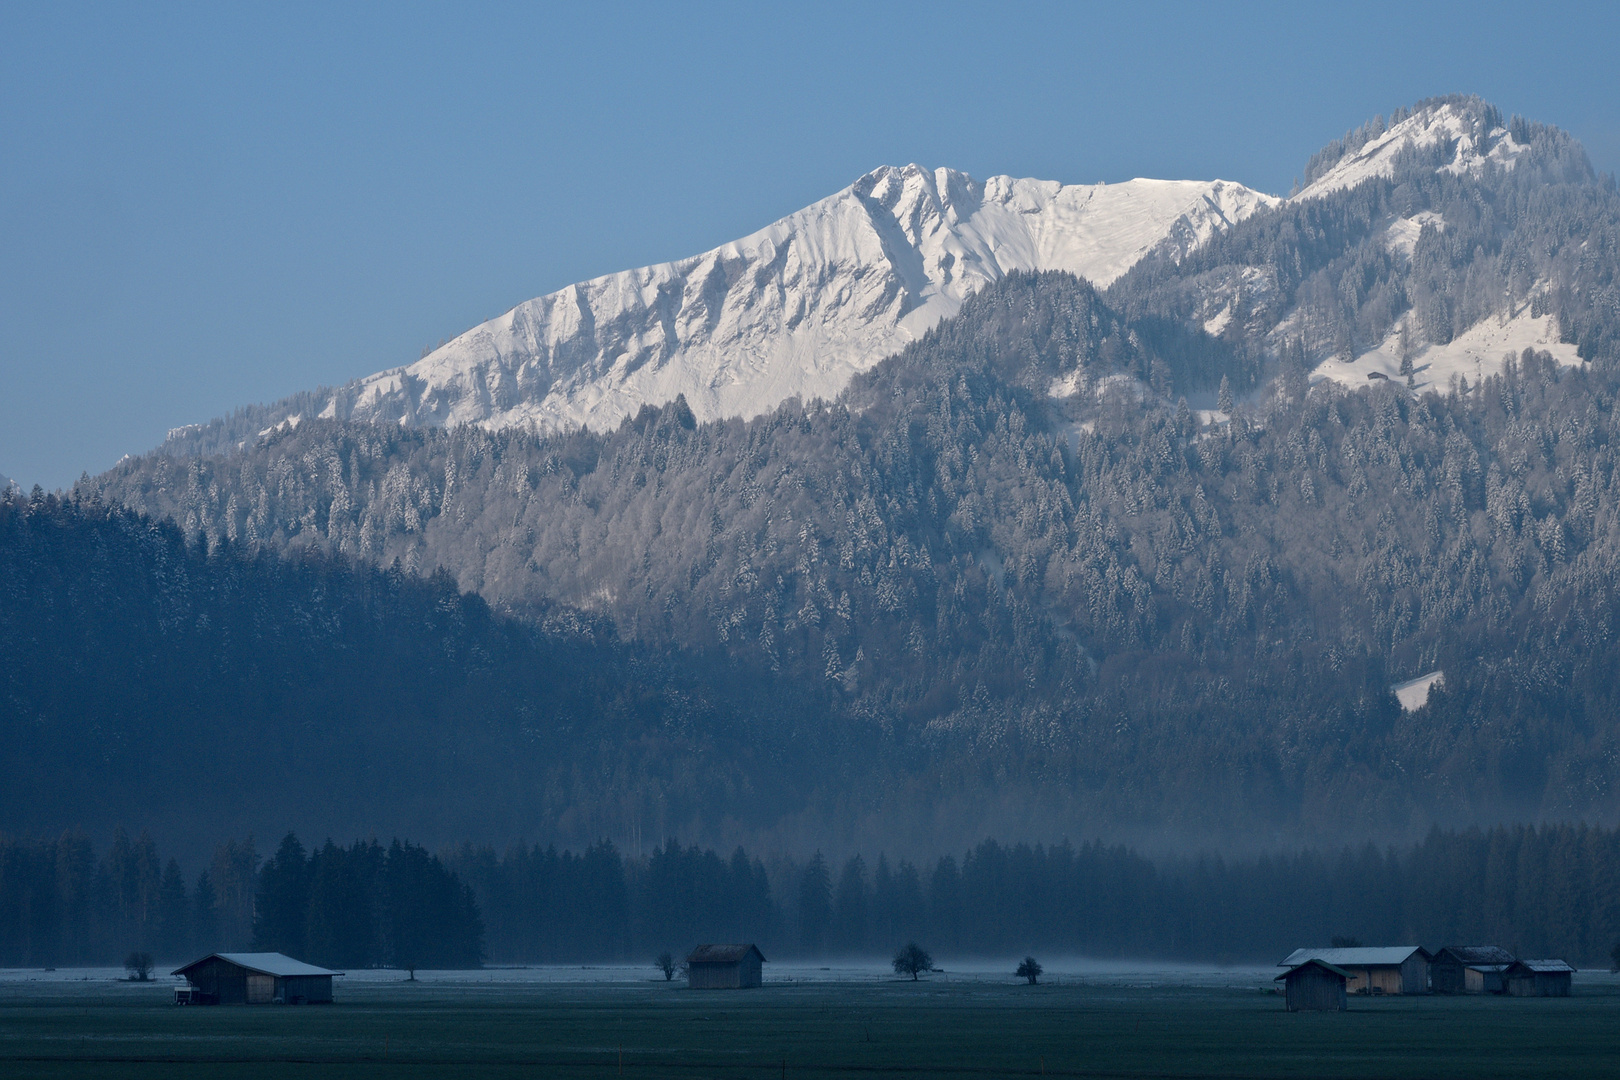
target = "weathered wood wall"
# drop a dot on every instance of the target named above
(1310, 989)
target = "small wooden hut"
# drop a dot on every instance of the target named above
(724, 967)
(1538, 978)
(1485, 978)
(1315, 986)
(1469, 969)
(254, 979)
(1391, 969)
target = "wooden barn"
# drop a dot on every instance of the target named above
(259, 978)
(1394, 969)
(724, 967)
(1469, 969)
(1538, 978)
(1315, 986)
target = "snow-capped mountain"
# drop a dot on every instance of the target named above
(797, 308)
(1476, 143)
(803, 305)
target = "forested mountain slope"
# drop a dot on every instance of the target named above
(1505, 221)
(195, 693)
(1059, 598)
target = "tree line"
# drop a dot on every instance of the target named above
(1547, 891)
(355, 907)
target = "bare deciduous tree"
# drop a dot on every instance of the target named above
(912, 960)
(139, 966)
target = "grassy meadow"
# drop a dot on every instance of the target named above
(945, 1026)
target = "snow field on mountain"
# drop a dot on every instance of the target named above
(798, 308)
(1474, 354)
(802, 306)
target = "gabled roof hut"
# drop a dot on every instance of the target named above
(255, 979)
(1538, 978)
(724, 967)
(1391, 969)
(1450, 969)
(1314, 986)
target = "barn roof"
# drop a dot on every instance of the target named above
(723, 954)
(262, 963)
(1544, 967)
(1385, 956)
(1313, 962)
(1472, 955)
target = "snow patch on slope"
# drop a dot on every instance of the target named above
(1414, 693)
(1402, 235)
(798, 308)
(1474, 354)
(290, 423)
(1219, 321)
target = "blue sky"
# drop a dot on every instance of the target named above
(202, 207)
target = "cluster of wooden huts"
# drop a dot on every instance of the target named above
(1323, 979)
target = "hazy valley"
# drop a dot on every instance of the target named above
(1143, 562)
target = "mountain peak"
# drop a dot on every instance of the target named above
(797, 308)
(1466, 131)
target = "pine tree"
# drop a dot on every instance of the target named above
(281, 908)
(205, 915)
(815, 905)
(1296, 379)
(174, 915)
(850, 907)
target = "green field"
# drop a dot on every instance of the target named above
(1097, 1027)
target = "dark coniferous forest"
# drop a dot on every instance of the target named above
(1541, 892)
(215, 691)
(1165, 606)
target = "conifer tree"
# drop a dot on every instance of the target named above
(205, 915)
(815, 905)
(174, 914)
